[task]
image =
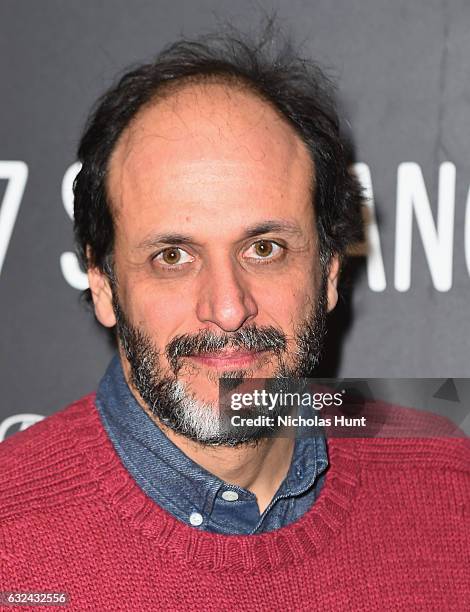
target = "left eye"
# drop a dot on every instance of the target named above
(263, 249)
(173, 256)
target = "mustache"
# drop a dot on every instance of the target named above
(251, 338)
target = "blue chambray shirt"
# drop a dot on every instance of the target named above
(186, 490)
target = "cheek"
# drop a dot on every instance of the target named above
(287, 301)
(161, 313)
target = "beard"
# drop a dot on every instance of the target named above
(172, 402)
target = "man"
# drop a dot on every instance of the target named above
(212, 213)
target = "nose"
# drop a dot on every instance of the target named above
(225, 298)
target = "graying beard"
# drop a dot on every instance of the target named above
(169, 399)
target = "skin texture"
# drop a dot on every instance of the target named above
(210, 171)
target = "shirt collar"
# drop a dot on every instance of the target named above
(165, 472)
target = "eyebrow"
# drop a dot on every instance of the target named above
(171, 238)
(275, 225)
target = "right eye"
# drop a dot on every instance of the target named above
(173, 257)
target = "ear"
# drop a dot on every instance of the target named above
(332, 282)
(102, 295)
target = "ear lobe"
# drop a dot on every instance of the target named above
(332, 282)
(102, 297)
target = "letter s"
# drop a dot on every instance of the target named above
(68, 261)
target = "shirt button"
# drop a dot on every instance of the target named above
(230, 495)
(196, 519)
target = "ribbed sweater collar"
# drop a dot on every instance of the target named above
(314, 531)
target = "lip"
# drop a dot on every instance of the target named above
(227, 359)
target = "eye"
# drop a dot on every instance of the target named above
(173, 256)
(264, 249)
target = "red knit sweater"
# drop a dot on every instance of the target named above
(390, 531)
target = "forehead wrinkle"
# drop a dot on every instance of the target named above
(225, 166)
(133, 140)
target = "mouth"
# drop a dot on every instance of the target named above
(227, 359)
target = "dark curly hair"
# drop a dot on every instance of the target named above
(295, 87)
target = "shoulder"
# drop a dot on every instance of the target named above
(438, 454)
(43, 465)
(42, 434)
(410, 479)
(398, 437)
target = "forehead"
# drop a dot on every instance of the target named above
(209, 146)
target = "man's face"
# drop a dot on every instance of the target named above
(216, 254)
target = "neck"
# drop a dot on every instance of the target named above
(258, 467)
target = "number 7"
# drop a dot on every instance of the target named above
(16, 172)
